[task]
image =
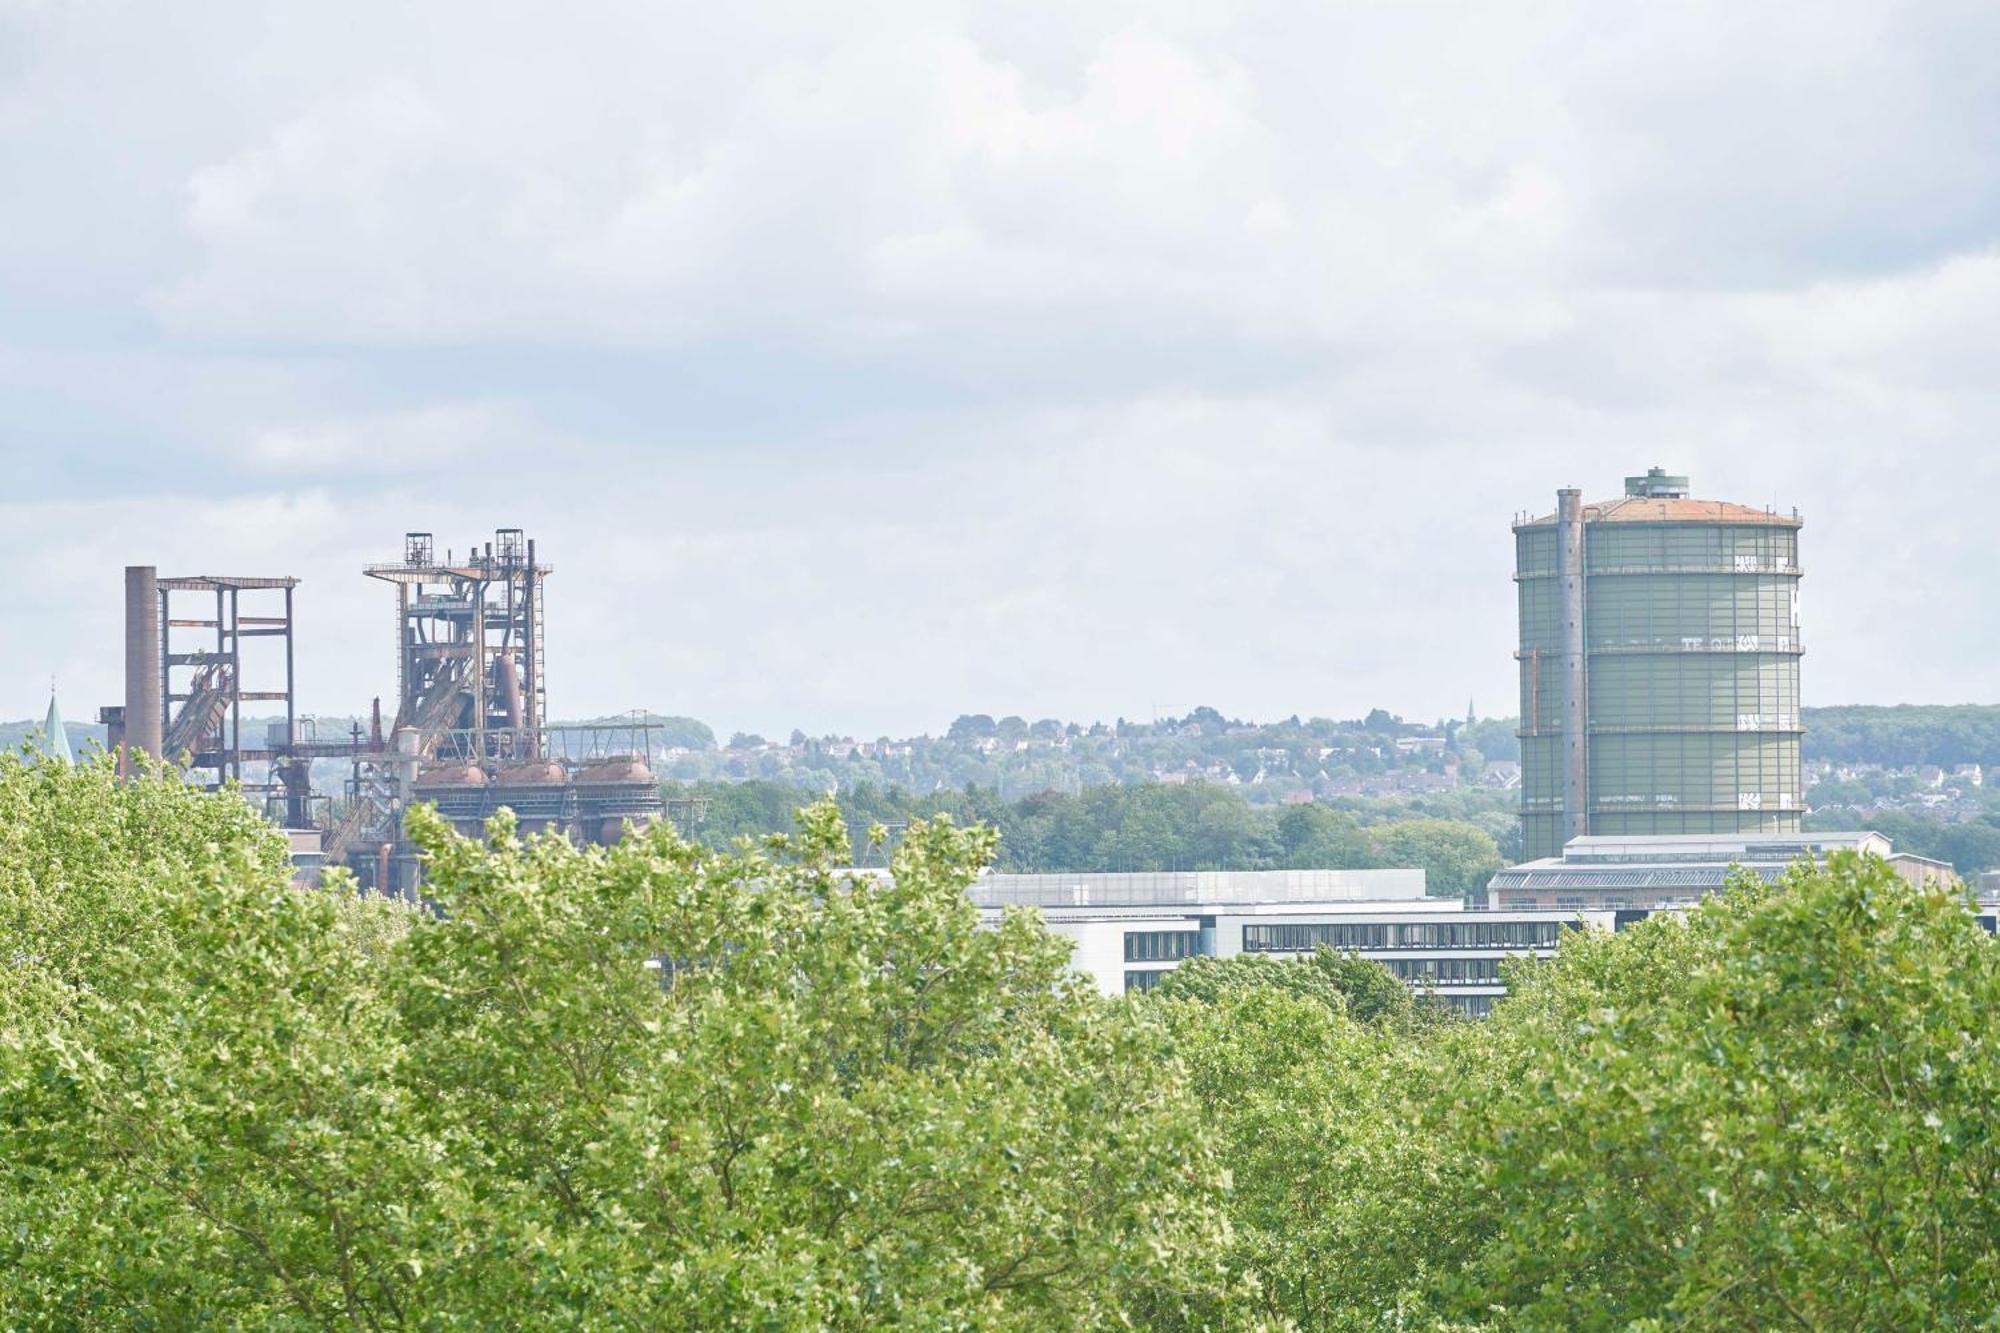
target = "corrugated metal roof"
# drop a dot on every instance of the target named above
(1518, 879)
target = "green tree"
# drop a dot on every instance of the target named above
(1315, 837)
(971, 726)
(1341, 1170)
(831, 1104)
(1775, 1113)
(1213, 980)
(1456, 858)
(1343, 983)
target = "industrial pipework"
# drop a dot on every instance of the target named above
(1575, 686)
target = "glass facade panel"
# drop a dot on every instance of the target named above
(1676, 771)
(1375, 936)
(1692, 546)
(1160, 946)
(1447, 972)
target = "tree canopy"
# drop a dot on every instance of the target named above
(1772, 1112)
(1152, 826)
(665, 1085)
(828, 1103)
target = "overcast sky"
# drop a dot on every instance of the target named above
(861, 365)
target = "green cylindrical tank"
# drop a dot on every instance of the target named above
(1689, 669)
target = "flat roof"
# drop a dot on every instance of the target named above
(1725, 847)
(1678, 861)
(226, 582)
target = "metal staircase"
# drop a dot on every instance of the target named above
(201, 715)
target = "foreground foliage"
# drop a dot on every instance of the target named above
(841, 1103)
(1776, 1112)
(837, 1104)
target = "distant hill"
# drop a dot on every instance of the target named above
(1018, 757)
(1894, 735)
(12, 734)
(1902, 735)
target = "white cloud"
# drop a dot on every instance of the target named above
(442, 437)
(915, 357)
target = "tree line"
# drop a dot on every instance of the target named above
(1904, 735)
(1149, 826)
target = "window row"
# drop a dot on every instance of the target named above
(1347, 937)
(1447, 971)
(1161, 946)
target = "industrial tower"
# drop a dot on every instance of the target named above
(1659, 657)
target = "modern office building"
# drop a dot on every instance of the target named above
(1659, 660)
(1652, 872)
(1131, 929)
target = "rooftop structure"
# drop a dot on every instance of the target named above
(1659, 647)
(1626, 873)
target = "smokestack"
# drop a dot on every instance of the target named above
(142, 659)
(1575, 687)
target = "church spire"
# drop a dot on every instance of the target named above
(55, 737)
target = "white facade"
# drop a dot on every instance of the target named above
(1131, 929)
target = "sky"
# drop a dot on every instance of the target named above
(860, 366)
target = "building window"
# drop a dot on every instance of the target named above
(1374, 937)
(1444, 973)
(1144, 981)
(1161, 946)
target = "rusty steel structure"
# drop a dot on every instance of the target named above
(469, 732)
(188, 674)
(210, 679)
(469, 643)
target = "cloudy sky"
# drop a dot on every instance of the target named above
(861, 365)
